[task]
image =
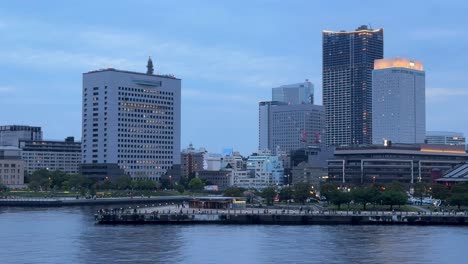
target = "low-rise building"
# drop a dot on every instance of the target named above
(51, 155)
(445, 137)
(407, 163)
(11, 167)
(262, 170)
(192, 160)
(221, 178)
(12, 134)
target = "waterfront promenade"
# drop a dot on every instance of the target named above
(56, 202)
(178, 215)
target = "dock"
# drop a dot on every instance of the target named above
(252, 216)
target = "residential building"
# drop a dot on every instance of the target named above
(11, 135)
(131, 119)
(348, 61)
(283, 127)
(398, 101)
(11, 167)
(408, 163)
(51, 155)
(445, 137)
(298, 93)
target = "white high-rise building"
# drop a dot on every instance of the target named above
(298, 93)
(398, 101)
(131, 119)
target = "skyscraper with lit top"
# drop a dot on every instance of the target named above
(398, 101)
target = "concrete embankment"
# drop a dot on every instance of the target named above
(50, 202)
(279, 219)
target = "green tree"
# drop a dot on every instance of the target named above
(196, 184)
(233, 192)
(421, 190)
(439, 191)
(396, 186)
(327, 189)
(338, 198)
(391, 197)
(3, 187)
(124, 182)
(106, 185)
(364, 195)
(459, 195)
(269, 194)
(40, 180)
(180, 188)
(301, 192)
(286, 193)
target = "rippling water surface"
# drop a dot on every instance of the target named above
(69, 235)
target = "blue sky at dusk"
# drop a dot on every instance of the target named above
(228, 54)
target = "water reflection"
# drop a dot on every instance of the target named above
(68, 235)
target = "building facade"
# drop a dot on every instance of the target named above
(398, 101)
(51, 155)
(131, 119)
(408, 163)
(298, 93)
(11, 135)
(11, 167)
(348, 61)
(445, 138)
(285, 127)
(192, 160)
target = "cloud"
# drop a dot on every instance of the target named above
(94, 48)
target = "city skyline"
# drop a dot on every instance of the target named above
(226, 66)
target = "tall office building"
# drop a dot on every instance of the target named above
(298, 93)
(348, 61)
(284, 127)
(11, 135)
(131, 119)
(445, 138)
(398, 101)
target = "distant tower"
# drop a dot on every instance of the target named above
(149, 66)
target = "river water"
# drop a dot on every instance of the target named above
(69, 235)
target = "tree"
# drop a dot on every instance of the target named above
(196, 184)
(459, 195)
(396, 186)
(286, 193)
(338, 198)
(250, 195)
(440, 191)
(391, 197)
(180, 188)
(123, 182)
(301, 192)
(327, 189)
(233, 192)
(3, 187)
(420, 190)
(364, 195)
(269, 194)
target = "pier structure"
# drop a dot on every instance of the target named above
(179, 215)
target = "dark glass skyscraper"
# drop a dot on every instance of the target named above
(348, 61)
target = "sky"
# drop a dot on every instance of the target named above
(229, 54)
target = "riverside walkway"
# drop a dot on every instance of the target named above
(56, 202)
(174, 215)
